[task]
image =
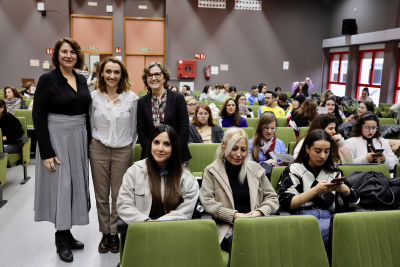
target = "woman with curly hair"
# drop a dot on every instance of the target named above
(13, 99)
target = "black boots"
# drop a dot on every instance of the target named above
(62, 247)
(73, 243)
(64, 243)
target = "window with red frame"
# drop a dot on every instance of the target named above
(338, 73)
(370, 73)
(397, 93)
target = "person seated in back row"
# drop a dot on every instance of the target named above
(254, 96)
(232, 93)
(11, 129)
(270, 105)
(230, 115)
(202, 127)
(283, 102)
(234, 186)
(158, 188)
(365, 140)
(216, 95)
(186, 91)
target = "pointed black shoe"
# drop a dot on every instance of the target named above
(73, 243)
(63, 249)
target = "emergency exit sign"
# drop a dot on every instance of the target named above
(144, 49)
(93, 48)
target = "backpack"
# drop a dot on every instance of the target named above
(317, 98)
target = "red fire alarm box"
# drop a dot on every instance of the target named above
(186, 68)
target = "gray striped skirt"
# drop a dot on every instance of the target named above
(62, 196)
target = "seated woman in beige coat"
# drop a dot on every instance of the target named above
(234, 186)
(158, 188)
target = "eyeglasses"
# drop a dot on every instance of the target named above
(155, 74)
(273, 129)
(192, 105)
(203, 114)
(374, 129)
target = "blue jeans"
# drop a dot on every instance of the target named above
(324, 219)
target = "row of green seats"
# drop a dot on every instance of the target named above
(357, 237)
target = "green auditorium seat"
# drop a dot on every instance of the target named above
(387, 121)
(276, 176)
(27, 114)
(290, 241)
(248, 130)
(22, 157)
(282, 122)
(286, 135)
(348, 169)
(3, 170)
(137, 150)
(289, 94)
(200, 102)
(377, 109)
(386, 109)
(384, 105)
(255, 110)
(303, 130)
(173, 243)
(202, 156)
(384, 114)
(142, 93)
(252, 122)
(242, 92)
(28, 102)
(196, 93)
(291, 147)
(366, 239)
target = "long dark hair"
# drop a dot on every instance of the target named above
(367, 116)
(172, 194)
(224, 113)
(205, 90)
(312, 137)
(320, 122)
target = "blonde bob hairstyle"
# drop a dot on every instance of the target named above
(231, 137)
(164, 70)
(124, 83)
(188, 98)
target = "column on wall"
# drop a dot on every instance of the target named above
(118, 26)
(389, 72)
(352, 71)
(325, 69)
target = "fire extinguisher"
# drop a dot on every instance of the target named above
(207, 72)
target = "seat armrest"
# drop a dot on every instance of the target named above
(22, 140)
(122, 226)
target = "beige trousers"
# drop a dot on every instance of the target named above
(108, 168)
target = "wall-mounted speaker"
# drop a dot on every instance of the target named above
(349, 27)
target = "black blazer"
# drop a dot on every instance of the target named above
(175, 116)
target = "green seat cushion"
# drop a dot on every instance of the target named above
(137, 151)
(387, 121)
(13, 158)
(276, 176)
(248, 130)
(282, 122)
(202, 156)
(225, 258)
(252, 122)
(286, 135)
(183, 243)
(348, 169)
(368, 239)
(278, 241)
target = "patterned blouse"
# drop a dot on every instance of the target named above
(158, 108)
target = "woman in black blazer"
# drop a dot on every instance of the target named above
(161, 105)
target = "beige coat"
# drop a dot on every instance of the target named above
(217, 199)
(134, 198)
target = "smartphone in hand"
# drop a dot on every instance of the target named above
(380, 150)
(338, 180)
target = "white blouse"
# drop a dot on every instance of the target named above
(106, 117)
